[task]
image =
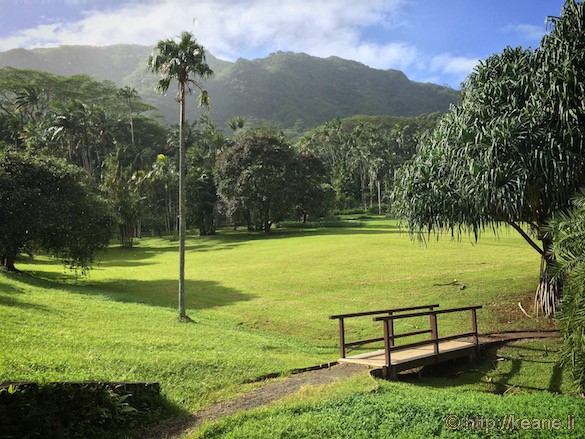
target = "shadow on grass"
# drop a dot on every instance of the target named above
(10, 295)
(199, 294)
(8, 300)
(222, 241)
(495, 372)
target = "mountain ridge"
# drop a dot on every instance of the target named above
(295, 91)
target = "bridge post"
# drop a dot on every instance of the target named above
(387, 342)
(474, 330)
(434, 331)
(341, 338)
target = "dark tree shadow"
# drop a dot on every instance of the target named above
(461, 371)
(200, 294)
(11, 295)
(556, 379)
(9, 300)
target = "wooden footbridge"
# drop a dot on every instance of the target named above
(396, 358)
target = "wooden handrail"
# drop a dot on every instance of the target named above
(341, 317)
(389, 335)
(383, 311)
(361, 342)
(427, 342)
(426, 313)
(373, 340)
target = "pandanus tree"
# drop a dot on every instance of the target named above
(511, 152)
(183, 61)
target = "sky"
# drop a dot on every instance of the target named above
(436, 41)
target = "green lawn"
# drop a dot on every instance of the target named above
(521, 380)
(361, 408)
(260, 304)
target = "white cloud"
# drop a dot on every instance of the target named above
(456, 65)
(453, 68)
(229, 29)
(528, 32)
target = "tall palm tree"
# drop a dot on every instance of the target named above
(129, 94)
(183, 60)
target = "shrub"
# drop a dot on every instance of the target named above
(76, 410)
(332, 222)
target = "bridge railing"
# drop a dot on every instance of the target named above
(343, 345)
(390, 336)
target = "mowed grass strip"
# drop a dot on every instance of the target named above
(260, 304)
(73, 333)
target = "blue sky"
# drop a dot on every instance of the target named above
(430, 40)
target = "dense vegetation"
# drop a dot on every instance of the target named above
(116, 138)
(82, 160)
(569, 232)
(512, 151)
(293, 91)
(261, 178)
(52, 207)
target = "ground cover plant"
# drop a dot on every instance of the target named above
(362, 408)
(514, 381)
(260, 304)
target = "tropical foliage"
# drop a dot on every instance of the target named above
(183, 61)
(261, 178)
(361, 154)
(50, 206)
(512, 151)
(569, 248)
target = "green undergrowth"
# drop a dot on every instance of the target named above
(405, 411)
(511, 384)
(335, 222)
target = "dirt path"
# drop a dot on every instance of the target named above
(275, 390)
(272, 391)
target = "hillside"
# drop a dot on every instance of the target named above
(292, 90)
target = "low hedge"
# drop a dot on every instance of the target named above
(77, 410)
(319, 224)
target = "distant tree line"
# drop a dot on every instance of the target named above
(254, 178)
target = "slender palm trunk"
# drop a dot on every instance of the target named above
(131, 120)
(182, 194)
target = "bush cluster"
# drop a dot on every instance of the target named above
(76, 410)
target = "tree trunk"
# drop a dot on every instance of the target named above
(267, 225)
(547, 294)
(363, 190)
(249, 223)
(379, 197)
(8, 263)
(182, 194)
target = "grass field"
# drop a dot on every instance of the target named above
(260, 304)
(438, 407)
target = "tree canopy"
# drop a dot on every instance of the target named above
(512, 150)
(49, 205)
(261, 177)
